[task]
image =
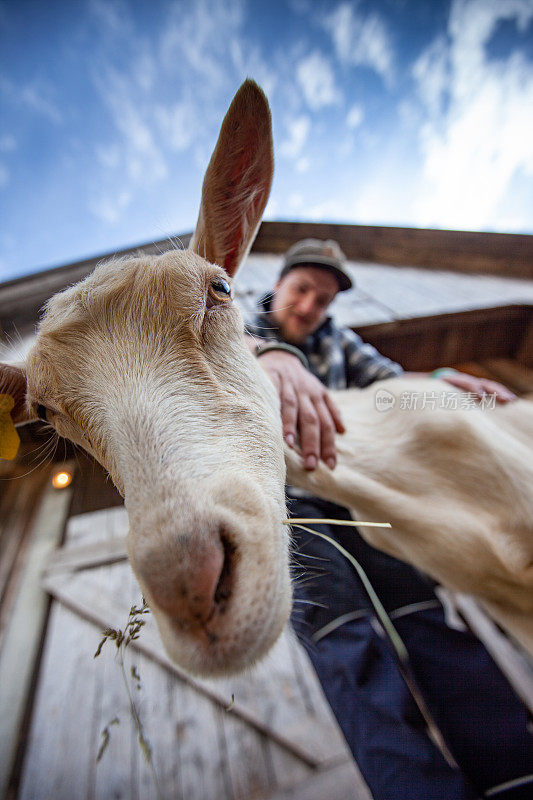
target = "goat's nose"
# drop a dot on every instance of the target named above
(190, 593)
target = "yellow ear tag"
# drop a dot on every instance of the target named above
(9, 438)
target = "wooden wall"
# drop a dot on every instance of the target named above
(507, 254)
(426, 343)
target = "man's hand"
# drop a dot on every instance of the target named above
(479, 386)
(307, 409)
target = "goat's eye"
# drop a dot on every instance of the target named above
(220, 289)
(41, 413)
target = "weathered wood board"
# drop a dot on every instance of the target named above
(25, 616)
(280, 731)
(384, 293)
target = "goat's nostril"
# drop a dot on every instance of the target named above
(202, 586)
(199, 586)
(224, 585)
(205, 579)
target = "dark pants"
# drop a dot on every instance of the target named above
(483, 722)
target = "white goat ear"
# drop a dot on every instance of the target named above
(13, 383)
(237, 182)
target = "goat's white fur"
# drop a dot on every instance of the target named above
(140, 368)
(455, 484)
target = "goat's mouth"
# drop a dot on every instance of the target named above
(244, 623)
(212, 650)
(220, 594)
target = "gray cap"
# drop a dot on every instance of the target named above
(318, 253)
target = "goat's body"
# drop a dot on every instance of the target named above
(144, 365)
(455, 484)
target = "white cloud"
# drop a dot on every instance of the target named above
(145, 72)
(298, 132)
(110, 208)
(197, 38)
(317, 81)
(133, 158)
(108, 156)
(361, 39)
(178, 123)
(272, 208)
(247, 60)
(302, 165)
(479, 112)
(165, 94)
(8, 143)
(36, 96)
(112, 17)
(355, 116)
(431, 72)
(295, 201)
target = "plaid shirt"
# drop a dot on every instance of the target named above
(337, 356)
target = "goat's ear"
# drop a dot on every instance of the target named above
(237, 182)
(13, 383)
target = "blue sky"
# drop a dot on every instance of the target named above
(398, 112)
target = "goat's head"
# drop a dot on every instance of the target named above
(144, 365)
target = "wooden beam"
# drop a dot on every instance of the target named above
(344, 781)
(22, 640)
(21, 298)
(424, 343)
(514, 664)
(509, 254)
(71, 559)
(94, 605)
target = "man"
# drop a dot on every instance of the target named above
(486, 729)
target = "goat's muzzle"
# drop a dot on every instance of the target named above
(193, 589)
(218, 586)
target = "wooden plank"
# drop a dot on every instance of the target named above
(71, 559)
(15, 502)
(442, 340)
(248, 763)
(195, 743)
(524, 351)
(516, 667)
(93, 604)
(93, 488)
(344, 782)
(193, 759)
(87, 530)
(22, 638)
(62, 745)
(518, 377)
(247, 759)
(510, 255)
(462, 251)
(474, 368)
(123, 770)
(415, 292)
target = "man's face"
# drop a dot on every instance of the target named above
(301, 300)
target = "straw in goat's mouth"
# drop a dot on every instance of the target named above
(391, 633)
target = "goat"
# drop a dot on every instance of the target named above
(144, 365)
(454, 482)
